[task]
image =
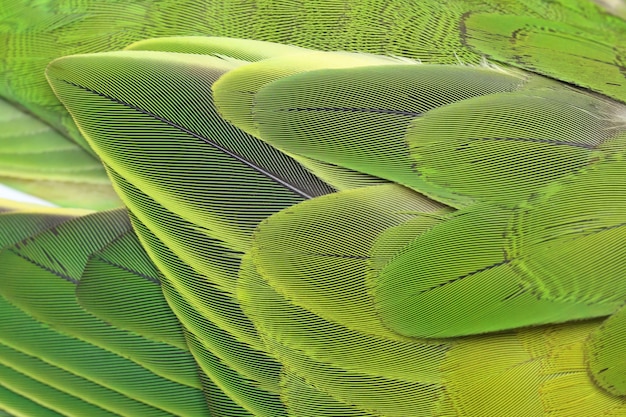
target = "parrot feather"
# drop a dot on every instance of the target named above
(382, 208)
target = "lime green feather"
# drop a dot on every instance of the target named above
(302, 400)
(490, 266)
(358, 117)
(605, 353)
(334, 370)
(458, 278)
(235, 96)
(230, 48)
(326, 275)
(235, 92)
(510, 145)
(575, 50)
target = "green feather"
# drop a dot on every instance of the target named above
(36, 159)
(249, 300)
(605, 353)
(121, 286)
(358, 117)
(40, 277)
(220, 47)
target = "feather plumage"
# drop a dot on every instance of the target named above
(325, 233)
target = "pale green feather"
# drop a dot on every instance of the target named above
(227, 48)
(37, 159)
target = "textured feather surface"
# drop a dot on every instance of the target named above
(358, 117)
(575, 50)
(278, 323)
(201, 287)
(48, 336)
(228, 48)
(302, 308)
(605, 353)
(38, 160)
(340, 116)
(522, 34)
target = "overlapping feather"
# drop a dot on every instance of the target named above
(314, 303)
(329, 306)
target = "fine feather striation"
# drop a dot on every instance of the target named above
(491, 266)
(512, 151)
(436, 32)
(521, 34)
(38, 160)
(49, 337)
(14, 404)
(605, 355)
(200, 288)
(421, 125)
(246, 50)
(293, 321)
(76, 80)
(225, 343)
(358, 117)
